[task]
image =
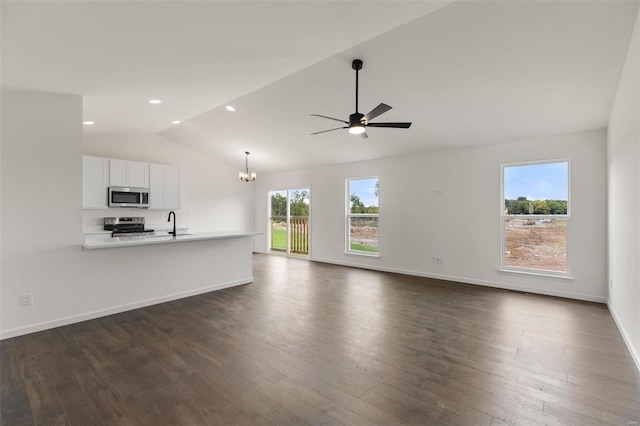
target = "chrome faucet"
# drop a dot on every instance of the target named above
(174, 223)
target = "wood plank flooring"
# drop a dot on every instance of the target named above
(310, 343)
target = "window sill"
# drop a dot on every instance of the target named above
(537, 274)
(363, 253)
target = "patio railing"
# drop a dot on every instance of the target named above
(298, 234)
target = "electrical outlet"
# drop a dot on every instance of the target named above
(610, 283)
(437, 193)
(26, 299)
(437, 259)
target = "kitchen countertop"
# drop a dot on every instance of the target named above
(99, 242)
(98, 230)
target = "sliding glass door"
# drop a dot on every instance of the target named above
(289, 221)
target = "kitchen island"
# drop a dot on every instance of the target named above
(140, 271)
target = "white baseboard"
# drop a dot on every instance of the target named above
(625, 337)
(33, 328)
(469, 281)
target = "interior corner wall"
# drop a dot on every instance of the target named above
(463, 226)
(212, 196)
(623, 158)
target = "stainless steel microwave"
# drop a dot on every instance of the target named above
(121, 196)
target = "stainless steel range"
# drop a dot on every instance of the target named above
(126, 226)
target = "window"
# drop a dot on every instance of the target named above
(535, 217)
(362, 216)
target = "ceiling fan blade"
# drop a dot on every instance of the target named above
(379, 110)
(394, 125)
(330, 118)
(330, 130)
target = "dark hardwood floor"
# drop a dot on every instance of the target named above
(310, 343)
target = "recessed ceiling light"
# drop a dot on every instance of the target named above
(88, 123)
(155, 101)
(230, 108)
(175, 122)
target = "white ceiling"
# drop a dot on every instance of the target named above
(465, 73)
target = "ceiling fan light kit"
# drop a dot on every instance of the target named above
(358, 122)
(357, 130)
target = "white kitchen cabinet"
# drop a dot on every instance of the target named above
(118, 172)
(138, 174)
(171, 187)
(128, 173)
(164, 187)
(95, 181)
(156, 186)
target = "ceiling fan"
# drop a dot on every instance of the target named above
(358, 122)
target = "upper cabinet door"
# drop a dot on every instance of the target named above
(95, 181)
(118, 173)
(138, 174)
(172, 187)
(156, 186)
(164, 187)
(128, 173)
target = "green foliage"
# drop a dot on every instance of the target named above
(541, 207)
(279, 236)
(544, 207)
(357, 206)
(299, 204)
(557, 206)
(362, 247)
(278, 204)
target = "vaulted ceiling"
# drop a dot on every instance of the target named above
(464, 72)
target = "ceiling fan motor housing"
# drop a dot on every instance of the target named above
(356, 119)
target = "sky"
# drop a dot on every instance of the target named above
(365, 190)
(547, 181)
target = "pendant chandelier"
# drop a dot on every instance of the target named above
(245, 176)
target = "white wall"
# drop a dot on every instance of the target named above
(212, 196)
(41, 197)
(464, 225)
(41, 200)
(623, 153)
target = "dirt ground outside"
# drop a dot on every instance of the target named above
(536, 244)
(365, 235)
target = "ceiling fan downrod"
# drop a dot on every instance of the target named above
(357, 66)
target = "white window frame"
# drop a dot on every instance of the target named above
(287, 251)
(349, 215)
(567, 217)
